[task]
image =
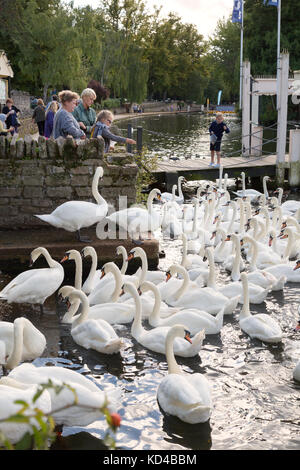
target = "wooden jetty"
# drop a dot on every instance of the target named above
(197, 169)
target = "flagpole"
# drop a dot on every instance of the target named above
(241, 57)
(278, 51)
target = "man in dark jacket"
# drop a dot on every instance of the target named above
(216, 131)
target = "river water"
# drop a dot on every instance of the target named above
(255, 400)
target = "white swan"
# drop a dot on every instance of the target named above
(19, 341)
(234, 263)
(261, 325)
(36, 285)
(90, 333)
(64, 408)
(191, 261)
(113, 313)
(252, 193)
(94, 275)
(186, 396)
(296, 372)
(155, 339)
(170, 225)
(205, 298)
(166, 197)
(74, 215)
(143, 273)
(9, 406)
(259, 276)
(193, 319)
(138, 220)
(287, 270)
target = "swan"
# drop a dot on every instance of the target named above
(187, 396)
(287, 270)
(190, 261)
(113, 313)
(193, 319)
(19, 341)
(35, 285)
(170, 225)
(65, 410)
(261, 325)
(94, 275)
(166, 197)
(74, 255)
(205, 298)
(234, 263)
(11, 402)
(138, 220)
(257, 294)
(258, 276)
(109, 291)
(155, 339)
(252, 193)
(90, 333)
(224, 248)
(74, 215)
(143, 273)
(296, 372)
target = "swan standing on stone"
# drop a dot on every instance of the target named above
(74, 215)
(35, 285)
(187, 396)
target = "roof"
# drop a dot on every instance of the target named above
(5, 68)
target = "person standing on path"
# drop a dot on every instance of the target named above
(50, 113)
(216, 131)
(64, 122)
(39, 116)
(84, 114)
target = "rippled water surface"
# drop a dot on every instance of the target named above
(255, 400)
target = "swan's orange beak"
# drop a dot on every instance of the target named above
(242, 242)
(228, 238)
(215, 219)
(168, 276)
(270, 240)
(158, 196)
(188, 336)
(102, 273)
(284, 236)
(65, 258)
(297, 265)
(130, 256)
(213, 235)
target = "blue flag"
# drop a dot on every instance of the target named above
(273, 3)
(237, 12)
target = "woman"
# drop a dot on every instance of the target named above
(11, 113)
(50, 113)
(64, 122)
(83, 113)
(39, 116)
(3, 130)
(104, 121)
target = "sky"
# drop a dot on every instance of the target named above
(203, 13)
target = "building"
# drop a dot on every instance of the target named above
(6, 74)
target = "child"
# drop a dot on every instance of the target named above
(216, 130)
(104, 121)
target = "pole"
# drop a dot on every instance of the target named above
(241, 57)
(278, 51)
(129, 135)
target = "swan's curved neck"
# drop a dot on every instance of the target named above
(154, 318)
(211, 282)
(265, 187)
(180, 193)
(235, 274)
(195, 221)
(124, 259)
(118, 282)
(245, 312)
(51, 262)
(15, 356)
(85, 307)
(243, 183)
(141, 253)
(100, 200)
(234, 211)
(173, 367)
(242, 218)
(185, 282)
(174, 187)
(254, 252)
(78, 270)
(149, 201)
(136, 328)
(93, 269)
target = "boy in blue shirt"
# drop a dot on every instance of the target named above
(216, 131)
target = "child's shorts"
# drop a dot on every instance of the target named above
(216, 146)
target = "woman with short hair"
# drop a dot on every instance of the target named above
(39, 116)
(84, 113)
(64, 122)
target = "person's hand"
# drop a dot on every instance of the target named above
(225, 127)
(130, 141)
(11, 129)
(83, 137)
(82, 126)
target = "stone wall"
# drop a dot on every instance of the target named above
(22, 101)
(37, 176)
